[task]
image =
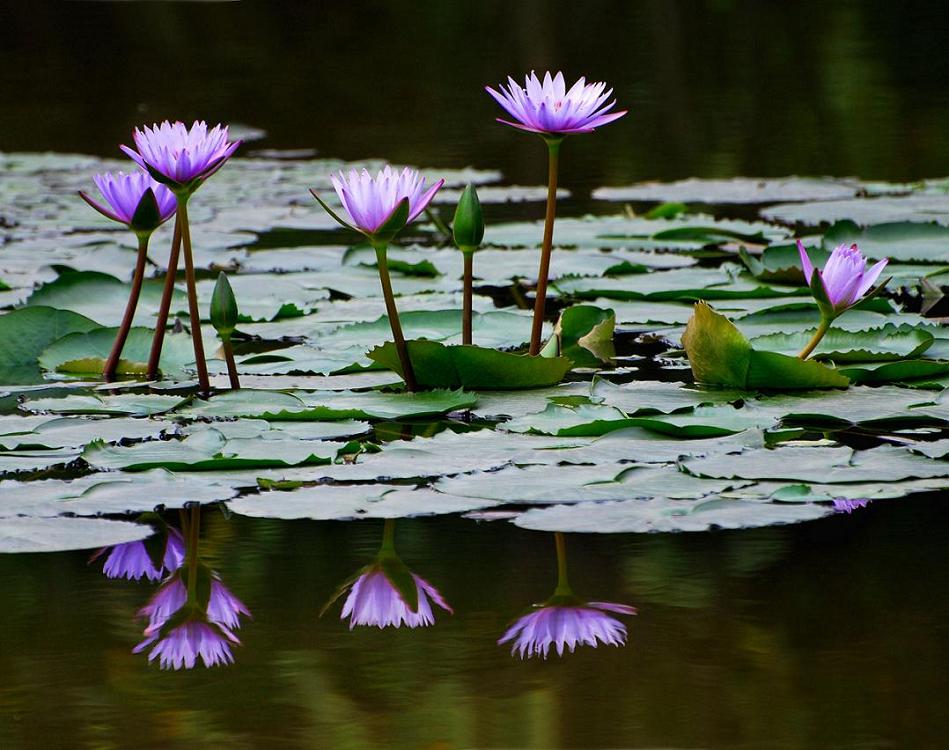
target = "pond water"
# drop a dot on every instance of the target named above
(829, 631)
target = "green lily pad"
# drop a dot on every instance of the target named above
(132, 404)
(437, 365)
(26, 332)
(209, 450)
(103, 297)
(901, 241)
(721, 356)
(330, 405)
(883, 344)
(583, 334)
(63, 534)
(83, 355)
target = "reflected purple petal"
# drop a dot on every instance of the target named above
(183, 645)
(373, 600)
(564, 627)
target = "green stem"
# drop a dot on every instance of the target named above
(231, 364)
(818, 335)
(466, 305)
(193, 312)
(112, 363)
(553, 156)
(165, 306)
(388, 538)
(408, 374)
(563, 585)
(191, 551)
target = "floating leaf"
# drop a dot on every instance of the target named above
(25, 333)
(84, 354)
(883, 344)
(473, 367)
(63, 534)
(720, 355)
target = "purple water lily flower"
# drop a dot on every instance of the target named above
(370, 201)
(223, 608)
(123, 194)
(373, 600)
(846, 505)
(566, 626)
(549, 108)
(845, 276)
(184, 644)
(179, 157)
(132, 560)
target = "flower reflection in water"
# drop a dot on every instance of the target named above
(846, 505)
(193, 614)
(387, 594)
(152, 558)
(565, 621)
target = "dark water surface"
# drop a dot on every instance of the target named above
(714, 88)
(833, 633)
(826, 634)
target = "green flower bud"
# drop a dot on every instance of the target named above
(223, 307)
(468, 226)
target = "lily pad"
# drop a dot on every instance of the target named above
(209, 450)
(721, 356)
(84, 354)
(883, 344)
(64, 534)
(437, 365)
(25, 333)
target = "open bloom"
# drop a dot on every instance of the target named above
(133, 561)
(123, 194)
(550, 108)
(846, 505)
(566, 626)
(223, 608)
(370, 201)
(373, 600)
(179, 157)
(188, 641)
(845, 277)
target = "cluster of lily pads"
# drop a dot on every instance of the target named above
(697, 371)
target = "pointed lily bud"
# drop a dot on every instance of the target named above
(468, 225)
(223, 307)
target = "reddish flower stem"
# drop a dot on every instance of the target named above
(553, 154)
(193, 313)
(165, 306)
(112, 363)
(408, 374)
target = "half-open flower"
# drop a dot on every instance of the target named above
(375, 204)
(179, 157)
(549, 108)
(134, 199)
(565, 625)
(844, 280)
(221, 606)
(181, 644)
(375, 599)
(151, 559)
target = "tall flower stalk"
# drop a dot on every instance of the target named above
(182, 159)
(379, 208)
(844, 281)
(553, 112)
(141, 204)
